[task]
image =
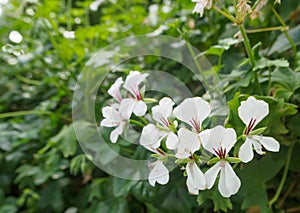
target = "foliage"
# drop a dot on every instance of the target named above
(43, 168)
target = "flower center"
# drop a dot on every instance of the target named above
(195, 124)
(137, 93)
(165, 121)
(220, 152)
(250, 126)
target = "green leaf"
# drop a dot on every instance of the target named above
(264, 63)
(220, 203)
(66, 140)
(286, 82)
(121, 187)
(254, 177)
(282, 44)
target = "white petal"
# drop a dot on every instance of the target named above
(116, 132)
(218, 137)
(195, 177)
(192, 109)
(151, 137)
(223, 189)
(253, 109)
(192, 190)
(162, 111)
(189, 142)
(268, 142)
(140, 108)
(159, 174)
(126, 107)
(257, 147)
(233, 182)
(172, 141)
(211, 175)
(114, 90)
(246, 151)
(133, 81)
(111, 117)
(199, 8)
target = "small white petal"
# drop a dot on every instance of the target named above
(126, 107)
(195, 178)
(140, 108)
(159, 174)
(211, 174)
(223, 189)
(246, 151)
(161, 112)
(253, 109)
(189, 142)
(192, 110)
(257, 147)
(133, 81)
(269, 143)
(218, 137)
(111, 117)
(114, 90)
(233, 182)
(116, 132)
(172, 141)
(151, 137)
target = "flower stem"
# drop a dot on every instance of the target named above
(281, 28)
(227, 15)
(292, 43)
(136, 122)
(285, 172)
(250, 55)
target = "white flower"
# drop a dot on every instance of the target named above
(195, 178)
(219, 142)
(189, 142)
(193, 111)
(278, 1)
(113, 118)
(114, 90)
(151, 137)
(200, 5)
(161, 113)
(251, 112)
(134, 104)
(159, 174)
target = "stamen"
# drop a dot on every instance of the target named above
(195, 124)
(250, 126)
(220, 152)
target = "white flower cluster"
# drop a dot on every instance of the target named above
(188, 139)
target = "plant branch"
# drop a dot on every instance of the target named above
(250, 55)
(285, 172)
(287, 35)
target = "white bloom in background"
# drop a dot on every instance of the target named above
(161, 113)
(219, 142)
(189, 142)
(159, 174)
(244, 8)
(113, 118)
(278, 1)
(201, 5)
(114, 90)
(134, 104)
(151, 137)
(195, 178)
(193, 111)
(251, 112)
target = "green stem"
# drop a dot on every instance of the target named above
(136, 122)
(250, 55)
(289, 38)
(285, 172)
(281, 28)
(143, 120)
(227, 15)
(22, 113)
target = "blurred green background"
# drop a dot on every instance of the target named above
(45, 45)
